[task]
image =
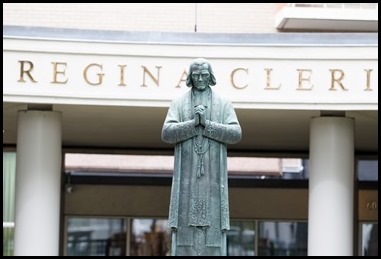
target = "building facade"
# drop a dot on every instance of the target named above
(85, 93)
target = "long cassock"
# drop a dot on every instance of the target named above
(199, 207)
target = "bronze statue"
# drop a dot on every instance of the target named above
(200, 124)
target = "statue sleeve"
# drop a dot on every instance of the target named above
(229, 131)
(174, 130)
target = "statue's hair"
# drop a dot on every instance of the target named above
(200, 62)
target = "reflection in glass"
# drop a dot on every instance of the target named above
(8, 234)
(240, 238)
(369, 239)
(9, 178)
(275, 168)
(282, 238)
(96, 237)
(149, 237)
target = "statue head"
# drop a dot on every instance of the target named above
(200, 74)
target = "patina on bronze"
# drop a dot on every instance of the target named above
(200, 124)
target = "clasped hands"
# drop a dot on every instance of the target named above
(200, 116)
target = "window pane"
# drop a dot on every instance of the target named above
(8, 241)
(268, 168)
(282, 238)
(369, 239)
(367, 170)
(126, 164)
(9, 176)
(149, 237)
(96, 236)
(159, 165)
(240, 238)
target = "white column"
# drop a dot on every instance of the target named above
(330, 203)
(38, 174)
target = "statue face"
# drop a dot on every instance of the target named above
(200, 77)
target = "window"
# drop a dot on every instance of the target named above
(369, 240)
(282, 238)
(90, 236)
(96, 237)
(367, 170)
(9, 177)
(149, 237)
(241, 238)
